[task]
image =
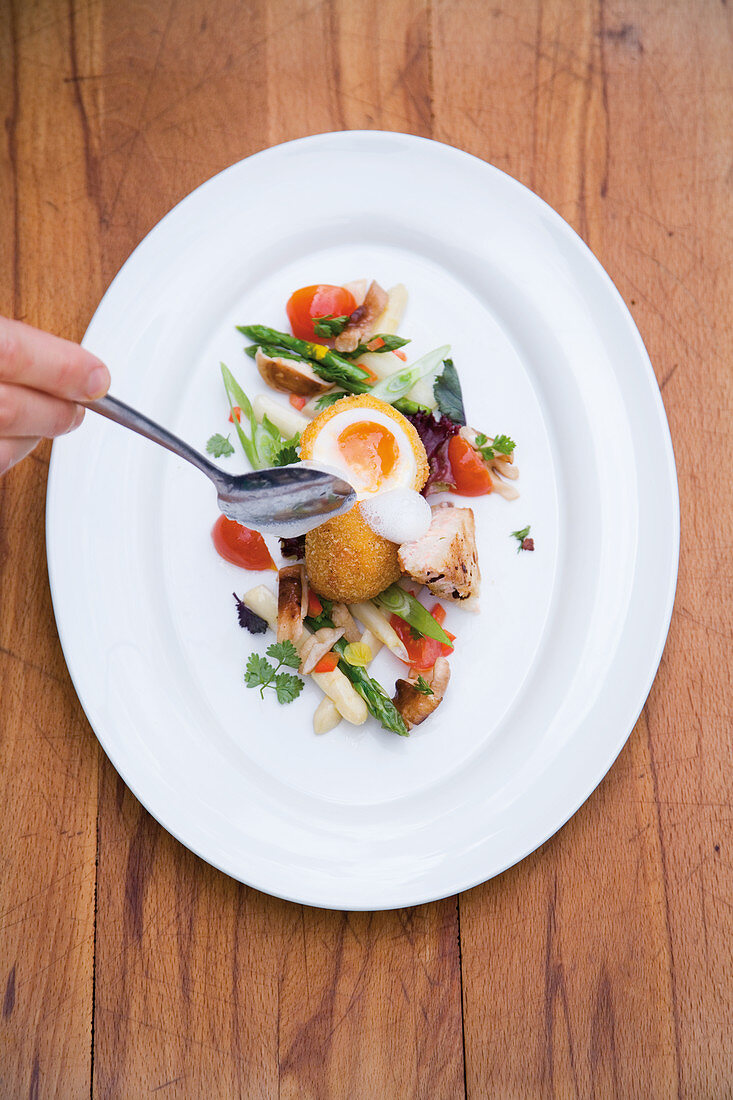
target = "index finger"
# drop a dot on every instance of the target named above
(44, 362)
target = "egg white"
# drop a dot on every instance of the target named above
(325, 450)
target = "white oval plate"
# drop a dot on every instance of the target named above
(548, 679)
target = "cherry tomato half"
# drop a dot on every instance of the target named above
(240, 546)
(470, 472)
(422, 653)
(317, 301)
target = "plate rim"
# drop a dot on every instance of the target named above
(612, 747)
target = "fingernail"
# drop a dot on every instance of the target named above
(98, 382)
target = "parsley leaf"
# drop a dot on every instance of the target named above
(219, 446)
(330, 326)
(248, 620)
(448, 394)
(499, 445)
(287, 687)
(285, 653)
(523, 539)
(423, 686)
(260, 673)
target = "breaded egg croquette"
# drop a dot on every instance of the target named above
(377, 449)
(347, 561)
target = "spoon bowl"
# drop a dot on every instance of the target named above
(283, 500)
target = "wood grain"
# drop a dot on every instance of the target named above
(614, 939)
(48, 760)
(601, 966)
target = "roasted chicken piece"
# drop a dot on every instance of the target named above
(445, 559)
(362, 320)
(290, 375)
(292, 602)
(413, 705)
(342, 617)
(316, 646)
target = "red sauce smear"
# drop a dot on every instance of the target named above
(240, 546)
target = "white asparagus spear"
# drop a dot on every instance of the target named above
(326, 717)
(379, 625)
(284, 417)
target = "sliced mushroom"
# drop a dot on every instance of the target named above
(290, 375)
(412, 704)
(291, 582)
(363, 318)
(317, 646)
(342, 617)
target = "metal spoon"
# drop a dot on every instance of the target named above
(283, 500)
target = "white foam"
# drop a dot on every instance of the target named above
(401, 515)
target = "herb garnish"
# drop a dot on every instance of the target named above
(447, 393)
(499, 445)
(248, 620)
(423, 687)
(288, 453)
(522, 537)
(219, 446)
(260, 673)
(330, 326)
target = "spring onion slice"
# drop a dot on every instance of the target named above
(408, 607)
(393, 387)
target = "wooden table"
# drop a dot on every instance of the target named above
(601, 966)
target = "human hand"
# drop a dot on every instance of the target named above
(41, 378)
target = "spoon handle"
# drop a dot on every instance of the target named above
(122, 414)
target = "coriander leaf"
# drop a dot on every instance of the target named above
(499, 445)
(423, 686)
(258, 672)
(288, 452)
(287, 687)
(330, 326)
(219, 446)
(285, 653)
(328, 399)
(447, 393)
(503, 445)
(248, 620)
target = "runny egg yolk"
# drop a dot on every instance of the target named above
(370, 450)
